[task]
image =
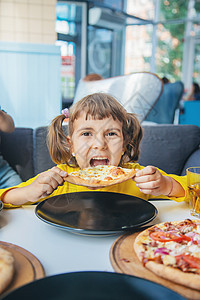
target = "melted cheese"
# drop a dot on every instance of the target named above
(173, 248)
(101, 172)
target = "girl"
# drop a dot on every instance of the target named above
(101, 132)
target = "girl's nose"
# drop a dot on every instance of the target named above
(99, 142)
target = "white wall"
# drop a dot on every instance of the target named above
(30, 83)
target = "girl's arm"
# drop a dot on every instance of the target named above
(150, 181)
(41, 187)
(6, 122)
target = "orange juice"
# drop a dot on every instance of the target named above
(194, 199)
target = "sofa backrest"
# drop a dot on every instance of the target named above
(42, 160)
(192, 161)
(171, 148)
(17, 149)
(163, 111)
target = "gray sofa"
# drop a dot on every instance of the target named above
(172, 148)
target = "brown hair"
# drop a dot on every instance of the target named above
(92, 77)
(99, 106)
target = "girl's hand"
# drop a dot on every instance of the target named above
(46, 183)
(41, 187)
(150, 181)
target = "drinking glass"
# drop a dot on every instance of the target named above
(193, 183)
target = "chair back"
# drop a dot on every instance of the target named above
(163, 111)
(17, 150)
(137, 92)
(190, 113)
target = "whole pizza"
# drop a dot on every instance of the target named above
(172, 251)
(100, 176)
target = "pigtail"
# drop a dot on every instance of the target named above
(133, 134)
(59, 149)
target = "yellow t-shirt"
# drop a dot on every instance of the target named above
(128, 187)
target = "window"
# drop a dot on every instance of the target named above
(170, 44)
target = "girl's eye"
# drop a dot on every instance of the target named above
(111, 133)
(86, 133)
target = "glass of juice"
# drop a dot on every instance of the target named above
(193, 183)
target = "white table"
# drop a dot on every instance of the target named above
(60, 251)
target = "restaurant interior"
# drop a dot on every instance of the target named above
(145, 54)
(110, 38)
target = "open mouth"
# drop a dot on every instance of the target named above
(96, 161)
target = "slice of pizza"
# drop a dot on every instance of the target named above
(6, 269)
(172, 251)
(100, 176)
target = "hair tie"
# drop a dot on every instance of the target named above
(65, 112)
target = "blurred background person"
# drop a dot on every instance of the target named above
(194, 93)
(86, 87)
(165, 80)
(8, 177)
(92, 77)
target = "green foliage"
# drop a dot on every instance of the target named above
(197, 6)
(171, 9)
(170, 50)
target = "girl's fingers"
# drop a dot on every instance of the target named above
(150, 185)
(152, 188)
(47, 190)
(52, 177)
(48, 181)
(54, 182)
(59, 171)
(147, 175)
(149, 170)
(55, 179)
(153, 184)
(154, 192)
(146, 179)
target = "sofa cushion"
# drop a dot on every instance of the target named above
(17, 150)
(193, 161)
(42, 160)
(163, 111)
(169, 146)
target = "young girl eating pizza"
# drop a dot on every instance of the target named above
(101, 132)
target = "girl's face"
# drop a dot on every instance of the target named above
(97, 142)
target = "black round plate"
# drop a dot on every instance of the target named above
(96, 212)
(93, 286)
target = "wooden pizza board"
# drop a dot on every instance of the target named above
(27, 266)
(124, 260)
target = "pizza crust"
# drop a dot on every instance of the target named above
(98, 183)
(173, 274)
(187, 279)
(6, 269)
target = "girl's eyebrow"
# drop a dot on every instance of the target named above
(85, 128)
(113, 129)
(91, 128)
